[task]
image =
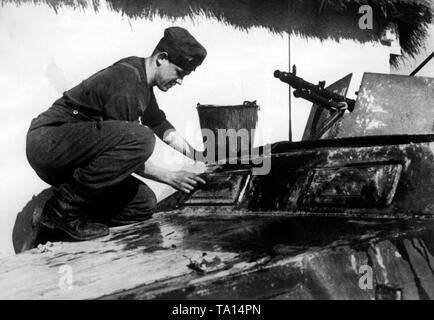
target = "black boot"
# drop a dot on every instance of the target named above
(70, 222)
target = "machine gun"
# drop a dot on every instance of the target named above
(315, 93)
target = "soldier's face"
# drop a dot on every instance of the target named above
(168, 74)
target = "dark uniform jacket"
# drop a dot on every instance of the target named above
(119, 92)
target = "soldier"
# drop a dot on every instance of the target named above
(90, 141)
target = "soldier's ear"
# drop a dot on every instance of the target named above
(162, 56)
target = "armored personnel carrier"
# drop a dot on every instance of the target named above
(344, 214)
(350, 206)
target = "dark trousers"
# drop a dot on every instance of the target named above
(91, 164)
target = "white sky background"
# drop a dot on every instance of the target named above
(43, 54)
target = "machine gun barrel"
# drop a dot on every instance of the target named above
(314, 93)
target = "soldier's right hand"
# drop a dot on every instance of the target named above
(184, 181)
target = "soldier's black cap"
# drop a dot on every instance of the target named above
(183, 49)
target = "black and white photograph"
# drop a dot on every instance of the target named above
(229, 151)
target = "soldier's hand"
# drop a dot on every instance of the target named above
(185, 181)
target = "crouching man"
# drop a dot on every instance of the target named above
(91, 140)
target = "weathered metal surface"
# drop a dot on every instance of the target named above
(270, 241)
(377, 176)
(279, 257)
(391, 104)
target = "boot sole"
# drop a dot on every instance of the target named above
(53, 226)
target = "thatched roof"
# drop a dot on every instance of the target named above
(309, 18)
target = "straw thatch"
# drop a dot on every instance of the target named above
(323, 19)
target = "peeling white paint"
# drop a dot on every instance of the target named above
(375, 124)
(380, 261)
(359, 121)
(376, 108)
(353, 263)
(379, 258)
(369, 101)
